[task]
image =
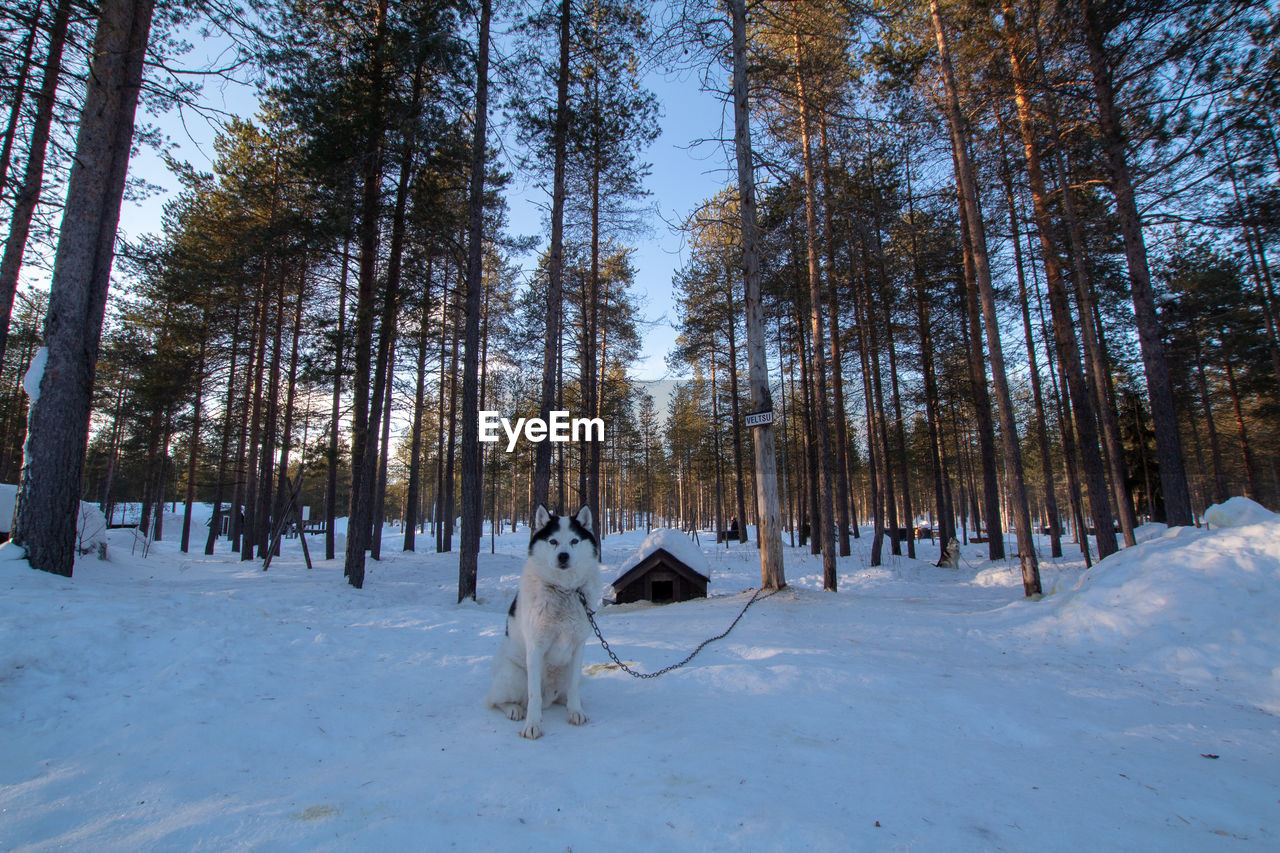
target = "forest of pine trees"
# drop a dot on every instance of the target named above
(1004, 271)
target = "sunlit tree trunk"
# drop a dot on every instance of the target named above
(58, 422)
(770, 523)
(1173, 478)
(472, 483)
(1004, 403)
(555, 261)
(1082, 407)
(28, 196)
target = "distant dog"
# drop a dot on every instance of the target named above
(540, 660)
(951, 556)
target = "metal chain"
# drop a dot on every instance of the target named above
(603, 642)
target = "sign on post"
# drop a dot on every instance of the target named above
(756, 419)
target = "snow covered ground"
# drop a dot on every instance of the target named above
(184, 702)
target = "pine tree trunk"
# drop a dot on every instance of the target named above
(1004, 402)
(413, 497)
(721, 529)
(886, 473)
(1220, 492)
(739, 479)
(1173, 478)
(1096, 373)
(19, 96)
(1068, 354)
(472, 482)
(270, 437)
(1042, 426)
(384, 449)
(555, 261)
(874, 454)
(437, 507)
(241, 468)
(24, 204)
(450, 513)
(770, 525)
(229, 408)
(193, 450)
(286, 434)
(1058, 385)
(841, 438)
(824, 517)
(331, 481)
(812, 497)
(981, 398)
(366, 282)
(1246, 453)
(937, 454)
(58, 422)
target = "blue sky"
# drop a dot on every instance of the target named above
(681, 176)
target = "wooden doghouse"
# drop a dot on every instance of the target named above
(661, 578)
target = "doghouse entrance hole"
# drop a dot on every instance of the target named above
(663, 591)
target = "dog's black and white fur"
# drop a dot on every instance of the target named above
(540, 660)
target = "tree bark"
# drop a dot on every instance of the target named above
(331, 481)
(1173, 477)
(555, 262)
(193, 450)
(24, 205)
(384, 449)
(981, 396)
(1220, 493)
(366, 281)
(824, 517)
(215, 520)
(739, 479)
(841, 439)
(1042, 425)
(1068, 355)
(19, 95)
(770, 524)
(937, 454)
(1004, 403)
(58, 421)
(472, 483)
(413, 497)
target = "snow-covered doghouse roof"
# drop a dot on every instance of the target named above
(675, 543)
(663, 553)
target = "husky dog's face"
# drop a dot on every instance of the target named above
(563, 547)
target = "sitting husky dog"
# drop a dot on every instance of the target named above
(950, 558)
(540, 660)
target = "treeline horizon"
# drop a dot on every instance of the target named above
(1015, 273)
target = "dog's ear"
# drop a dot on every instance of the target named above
(541, 518)
(584, 517)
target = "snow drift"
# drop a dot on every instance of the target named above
(1196, 604)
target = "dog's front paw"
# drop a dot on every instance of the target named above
(577, 718)
(514, 711)
(532, 730)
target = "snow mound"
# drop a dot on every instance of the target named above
(675, 543)
(1197, 605)
(91, 530)
(1238, 512)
